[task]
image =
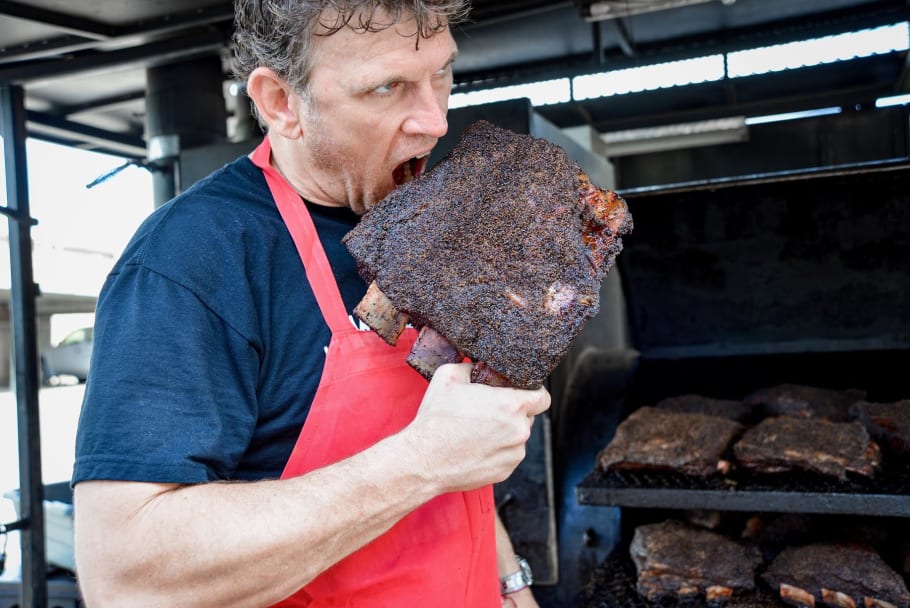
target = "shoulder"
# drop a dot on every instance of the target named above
(222, 241)
(231, 201)
(223, 225)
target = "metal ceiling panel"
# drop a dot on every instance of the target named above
(554, 32)
(110, 12)
(85, 60)
(15, 32)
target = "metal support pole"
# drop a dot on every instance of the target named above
(185, 108)
(25, 349)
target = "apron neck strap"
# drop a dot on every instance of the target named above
(300, 224)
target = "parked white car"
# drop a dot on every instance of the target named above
(69, 358)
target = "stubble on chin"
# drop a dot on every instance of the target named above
(333, 164)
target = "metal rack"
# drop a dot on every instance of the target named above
(888, 494)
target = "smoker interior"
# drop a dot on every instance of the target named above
(612, 583)
(734, 378)
(599, 511)
(730, 286)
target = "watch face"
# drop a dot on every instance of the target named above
(525, 570)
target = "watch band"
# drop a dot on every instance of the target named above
(517, 580)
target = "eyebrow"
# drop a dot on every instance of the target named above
(452, 58)
(398, 78)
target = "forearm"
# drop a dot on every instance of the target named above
(505, 553)
(507, 564)
(252, 544)
(244, 544)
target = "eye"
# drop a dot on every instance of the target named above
(385, 89)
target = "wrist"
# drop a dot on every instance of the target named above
(411, 453)
(518, 580)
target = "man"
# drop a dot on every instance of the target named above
(224, 329)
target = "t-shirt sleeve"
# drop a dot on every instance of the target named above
(172, 392)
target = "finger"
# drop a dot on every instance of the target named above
(540, 404)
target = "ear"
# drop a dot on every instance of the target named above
(276, 102)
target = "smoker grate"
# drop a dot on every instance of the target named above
(612, 585)
(888, 493)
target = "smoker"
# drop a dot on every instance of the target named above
(731, 286)
(727, 285)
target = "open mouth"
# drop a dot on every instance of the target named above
(409, 169)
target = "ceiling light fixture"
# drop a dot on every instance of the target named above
(674, 137)
(600, 10)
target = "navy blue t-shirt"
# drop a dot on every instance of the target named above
(209, 344)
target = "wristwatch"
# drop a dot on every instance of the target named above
(517, 580)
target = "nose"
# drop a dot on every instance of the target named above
(427, 115)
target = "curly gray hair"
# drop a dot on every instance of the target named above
(278, 34)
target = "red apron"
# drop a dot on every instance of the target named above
(443, 554)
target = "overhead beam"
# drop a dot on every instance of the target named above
(600, 10)
(639, 110)
(53, 128)
(219, 16)
(687, 47)
(98, 103)
(45, 48)
(168, 49)
(504, 12)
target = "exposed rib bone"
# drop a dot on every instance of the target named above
(836, 598)
(871, 602)
(718, 593)
(795, 595)
(484, 374)
(377, 311)
(430, 351)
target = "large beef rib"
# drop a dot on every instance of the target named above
(497, 254)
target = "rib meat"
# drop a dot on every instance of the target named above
(699, 404)
(784, 443)
(500, 250)
(836, 574)
(803, 401)
(887, 423)
(651, 438)
(677, 561)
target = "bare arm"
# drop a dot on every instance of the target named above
(252, 544)
(507, 564)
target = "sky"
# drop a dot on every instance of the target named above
(80, 231)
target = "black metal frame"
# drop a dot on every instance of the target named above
(23, 309)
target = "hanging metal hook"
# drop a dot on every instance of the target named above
(15, 215)
(20, 524)
(5, 529)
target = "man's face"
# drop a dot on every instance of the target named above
(378, 103)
